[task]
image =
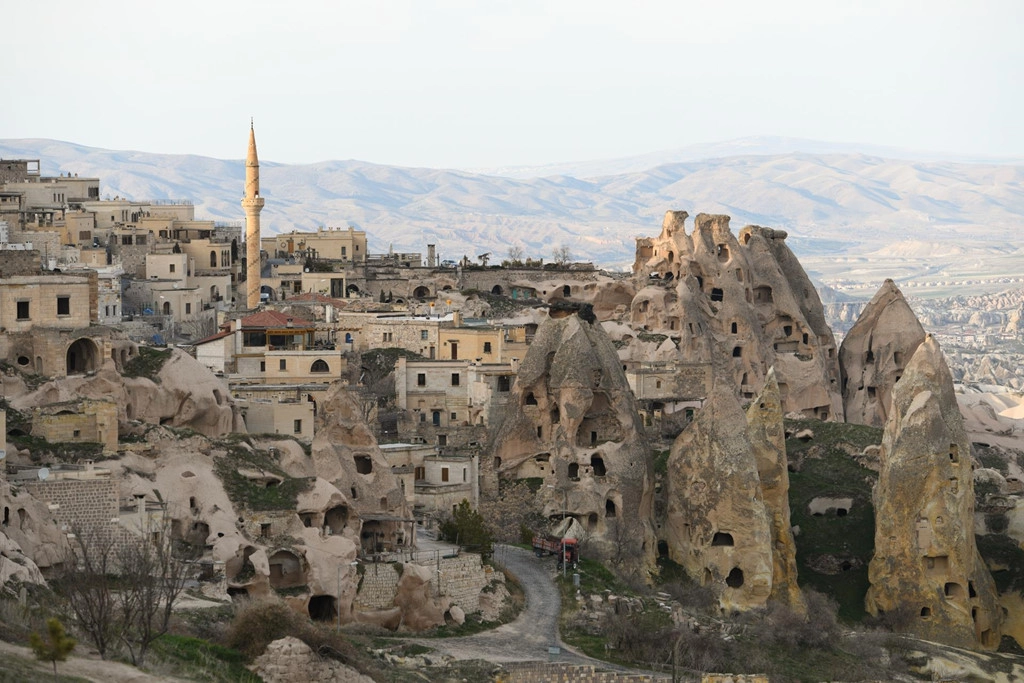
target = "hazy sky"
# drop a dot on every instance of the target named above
(463, 84)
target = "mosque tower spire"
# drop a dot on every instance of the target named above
(252, 204)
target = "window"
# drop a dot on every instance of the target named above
(188, 308)
(487, 347)
(263, 366)
(171, 268)
(344, 252)
(421, 379)
(282, 364)
(76, 433)
(63, 305)
(504, 383)
(444, 474)
(455, 379)
(423, 334)
(297, 426)
(23, 310)
(319, 365)
(454, 416)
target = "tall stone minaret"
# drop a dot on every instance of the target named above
(252, 204)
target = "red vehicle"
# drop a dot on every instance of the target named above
(567, 549)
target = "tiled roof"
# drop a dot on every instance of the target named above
(267, 320)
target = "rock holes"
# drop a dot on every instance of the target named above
(574, 471)
(722, 538)
(926, 612)
(323, 608)
(954, 591)
(735, 578)
(662, 548)
(530, 400)
(364, 464)
(23, 361)
(609, 508)
(597, 464)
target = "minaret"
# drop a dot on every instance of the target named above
(252, 204)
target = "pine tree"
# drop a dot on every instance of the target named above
(57, 648)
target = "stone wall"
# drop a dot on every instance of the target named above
(377, 586)
(462, 579)
(20, 262)
(84, 504)
(559, 672)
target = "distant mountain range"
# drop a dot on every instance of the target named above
(832, 198)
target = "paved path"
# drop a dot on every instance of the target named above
(533, 633)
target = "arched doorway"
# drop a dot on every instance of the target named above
(82, 356)
(421, 292)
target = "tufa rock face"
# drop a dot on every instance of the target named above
(768, 440)
(926, 560)
(874, 354)
(345, 453)
(717, 525)
(572, 421)
(748, 295)
(188, 395)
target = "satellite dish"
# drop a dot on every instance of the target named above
(43, 473)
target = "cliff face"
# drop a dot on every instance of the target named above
(874, 354)
(749, 295)
(926, 560)
(717, 525)
(572, 421)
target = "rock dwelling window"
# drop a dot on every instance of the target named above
(364, 464)
(722, 538)
(63, 305)
(421, 379)
(504, 383)
(926, 612)
(555, 416)
(531, 400)
(787, 330)
(597, 464)
(723, 252)
(954, 453)
(609, 508)
(954, 590)
(735, 328)
(566, 290)
(737, 351)
(574, 470)
(717, 294)
(869, 357)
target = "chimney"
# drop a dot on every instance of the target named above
(457, 318)
(289, 323)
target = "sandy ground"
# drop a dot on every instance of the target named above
(89, 667)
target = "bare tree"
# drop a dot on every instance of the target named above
(152, 579)
(562, 255)
(515, 255)
(122, 584)
(87, 583)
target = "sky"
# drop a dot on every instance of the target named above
(459, 84)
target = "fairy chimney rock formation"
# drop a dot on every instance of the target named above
(572, 421)
(874, 354)
(768, 440)
(717, 525)
(749, 295)
(926, 560)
